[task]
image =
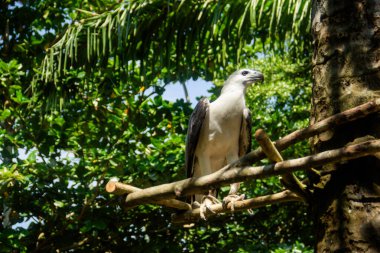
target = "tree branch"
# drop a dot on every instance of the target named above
(289, 180)
(238, 174)
(118, 188)
(329, 123)
(187, 97)
(280, 197)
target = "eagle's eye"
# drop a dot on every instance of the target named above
(245, 72)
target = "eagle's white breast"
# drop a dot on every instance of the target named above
(219, 137)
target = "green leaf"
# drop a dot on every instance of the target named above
(59, 204)
(5, 114)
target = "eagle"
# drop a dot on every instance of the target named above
(219, 133)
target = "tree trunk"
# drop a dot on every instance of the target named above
(346, 64)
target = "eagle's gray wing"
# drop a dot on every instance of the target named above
(194, 129)
(245, 137)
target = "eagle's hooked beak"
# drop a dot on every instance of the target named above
(256, 76)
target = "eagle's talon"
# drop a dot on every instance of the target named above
(202, 211)
(232, 199)
(205, 206)
(195, 205)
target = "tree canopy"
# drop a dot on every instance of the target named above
(81, 86)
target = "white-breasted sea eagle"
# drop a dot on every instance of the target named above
(220, 132)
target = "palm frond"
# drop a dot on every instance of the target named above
(188, 37)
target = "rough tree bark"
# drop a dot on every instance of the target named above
(346, 64)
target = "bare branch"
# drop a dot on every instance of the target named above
(329, 123)
(187, 97)
(289, 180)
(267, 146)
(238, 174)
(280, 197)
(118, 188)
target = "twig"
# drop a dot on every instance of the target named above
(280, 197)
(237, 174)
(74, 245)
(289, 180)
(118, 188)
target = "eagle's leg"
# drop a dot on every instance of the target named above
(206, 200)
(233, 195)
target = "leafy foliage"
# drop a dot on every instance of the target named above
(155, 36)
(281, 104)
(61, 142)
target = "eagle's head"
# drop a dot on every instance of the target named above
(246, 77)
(241, 79)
